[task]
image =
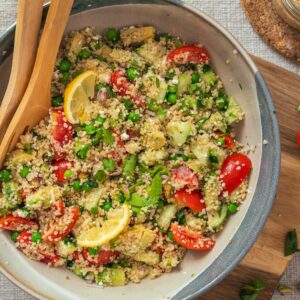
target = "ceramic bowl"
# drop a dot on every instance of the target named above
(199, 271)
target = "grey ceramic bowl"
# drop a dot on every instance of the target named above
(243, 81)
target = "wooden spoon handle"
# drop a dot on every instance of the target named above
(29, 18)
(36, 100)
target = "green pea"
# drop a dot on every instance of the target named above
(76, 185)
(65, 65)
(90, 129)
(100, 176)
(134, 117)
(172, 89)
(171, 98)
(93, 251)
(152, 105)
(68, 174)
(65, 77)
(100, 120)
(161, 113)
(220, 142)
(24, 171)
(195, 77)
(193, 88)
(5, 175)
(27, 148)
(132, 73)
(222, 103)
(107, 205)
(201, 122)
(57, 101)
(36, 237)
(232, 208)
(128, 104)
(206, 68)
(14, 236)
(84, 53)
(109, 164)
(112, 34)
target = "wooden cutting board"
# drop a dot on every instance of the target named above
(266, 260)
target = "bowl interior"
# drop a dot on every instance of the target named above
(238, 76)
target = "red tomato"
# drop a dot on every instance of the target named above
(62, 132)
(120, 84)
(58, 207)
(193, 200)
(61, 166)
(17, 223)
(104, 257)
(63, 225)
(189, 54)
(229, 142)
(24, 238)
(190, 239)
(184, 175)
(298, 139)
(51, 260)
(234, 171)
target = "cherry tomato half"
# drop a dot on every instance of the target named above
(58, 207)
(192, 199)
(190, 239)
(61, 166)
(17, 223)
(234, 171)
(104, 257)
(120, 84)
(184, 175)
(188, 54)
(63, 225)
(298, 139)
(62, 132)
(229, 142)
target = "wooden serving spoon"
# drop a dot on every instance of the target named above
(29, 17)
(36, 101)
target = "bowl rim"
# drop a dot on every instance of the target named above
(8, 34)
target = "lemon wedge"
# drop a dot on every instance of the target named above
(117, 221)
(76, 97)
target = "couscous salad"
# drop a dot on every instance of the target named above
(136, 162)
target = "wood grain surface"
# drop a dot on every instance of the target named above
(266, 260)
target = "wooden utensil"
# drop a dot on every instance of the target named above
(36, 101)
(29, 18)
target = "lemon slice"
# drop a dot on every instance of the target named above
(117, 221)
(76, 97)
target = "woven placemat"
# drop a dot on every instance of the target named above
(271, 27)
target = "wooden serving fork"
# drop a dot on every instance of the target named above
(29, 17)
(36, 101)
